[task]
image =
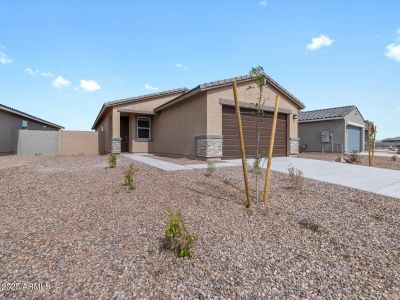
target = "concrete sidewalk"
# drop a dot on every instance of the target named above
(376, 180)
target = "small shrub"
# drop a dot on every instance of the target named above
(210, 169)
(112, 160)
(394, 157)
(177, 238)
(309, 225)
(296, 177)
(227, 181)
(129, 177)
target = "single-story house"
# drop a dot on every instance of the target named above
(338, 129)
(200, 122)
(11, 120)
(391, 142)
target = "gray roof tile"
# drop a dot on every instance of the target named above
(28, 116)
(325, 114)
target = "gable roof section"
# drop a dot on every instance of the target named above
(325, 114)
(135, 99)
(27, 116)
(224, 82)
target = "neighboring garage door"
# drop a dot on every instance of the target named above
(353, 139)
(231, 142)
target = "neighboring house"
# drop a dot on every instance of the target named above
(391, 142)
(339, 129)
(200, 122)
(11, 120)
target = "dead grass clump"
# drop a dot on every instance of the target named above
(296, 177)
(353, 158)
(394, 157)
(210, 169)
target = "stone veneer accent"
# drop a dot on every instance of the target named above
(209, 146)
(116, 145)
(294, 145)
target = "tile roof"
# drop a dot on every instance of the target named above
(325, 114)
(137, 98)
(228, 81)
(28, 116)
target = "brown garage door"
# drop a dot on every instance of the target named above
(231, 143)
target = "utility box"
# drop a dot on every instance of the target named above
(325, 137)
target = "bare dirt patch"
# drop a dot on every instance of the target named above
(380, 161)
(70, 222)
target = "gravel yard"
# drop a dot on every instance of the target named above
(380, 161)
(70, 223)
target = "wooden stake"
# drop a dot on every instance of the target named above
(373, 146)
(271, 149)
(369, 144)
(242, 151)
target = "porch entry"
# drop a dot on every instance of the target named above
(124, 133)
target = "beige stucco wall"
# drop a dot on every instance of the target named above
(137, 145)
(104, 131)
(78, 143)
(214, 108)
(175, 128)
(110, 122)
(147, 105)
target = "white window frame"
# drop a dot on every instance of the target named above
(24, 122)
(137, 128)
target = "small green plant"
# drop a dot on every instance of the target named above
(129, 177)
(177, 238)
(112, 160)
(296, 177)
(309, 225)
(227, 181)
(394, 157)
(210, 169)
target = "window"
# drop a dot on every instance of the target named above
(143, 128)
(24, 124)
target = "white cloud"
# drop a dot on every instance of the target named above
(393, 52)
(319, 42)
(5, 59)
(263, 3)
(89, 85)
(34, 73)
(60, 82)
(150, 88)
(181, 66)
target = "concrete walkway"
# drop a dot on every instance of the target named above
(376, 180)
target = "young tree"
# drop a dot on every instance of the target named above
(259, 75)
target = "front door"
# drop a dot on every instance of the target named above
(124, 133)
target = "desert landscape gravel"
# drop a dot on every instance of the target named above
(69, 223)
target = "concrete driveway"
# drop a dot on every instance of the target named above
(376, 180)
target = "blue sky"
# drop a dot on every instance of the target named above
(60, 60)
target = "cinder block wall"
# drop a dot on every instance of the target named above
(32, 142)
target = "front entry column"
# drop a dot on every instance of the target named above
(116, 139)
